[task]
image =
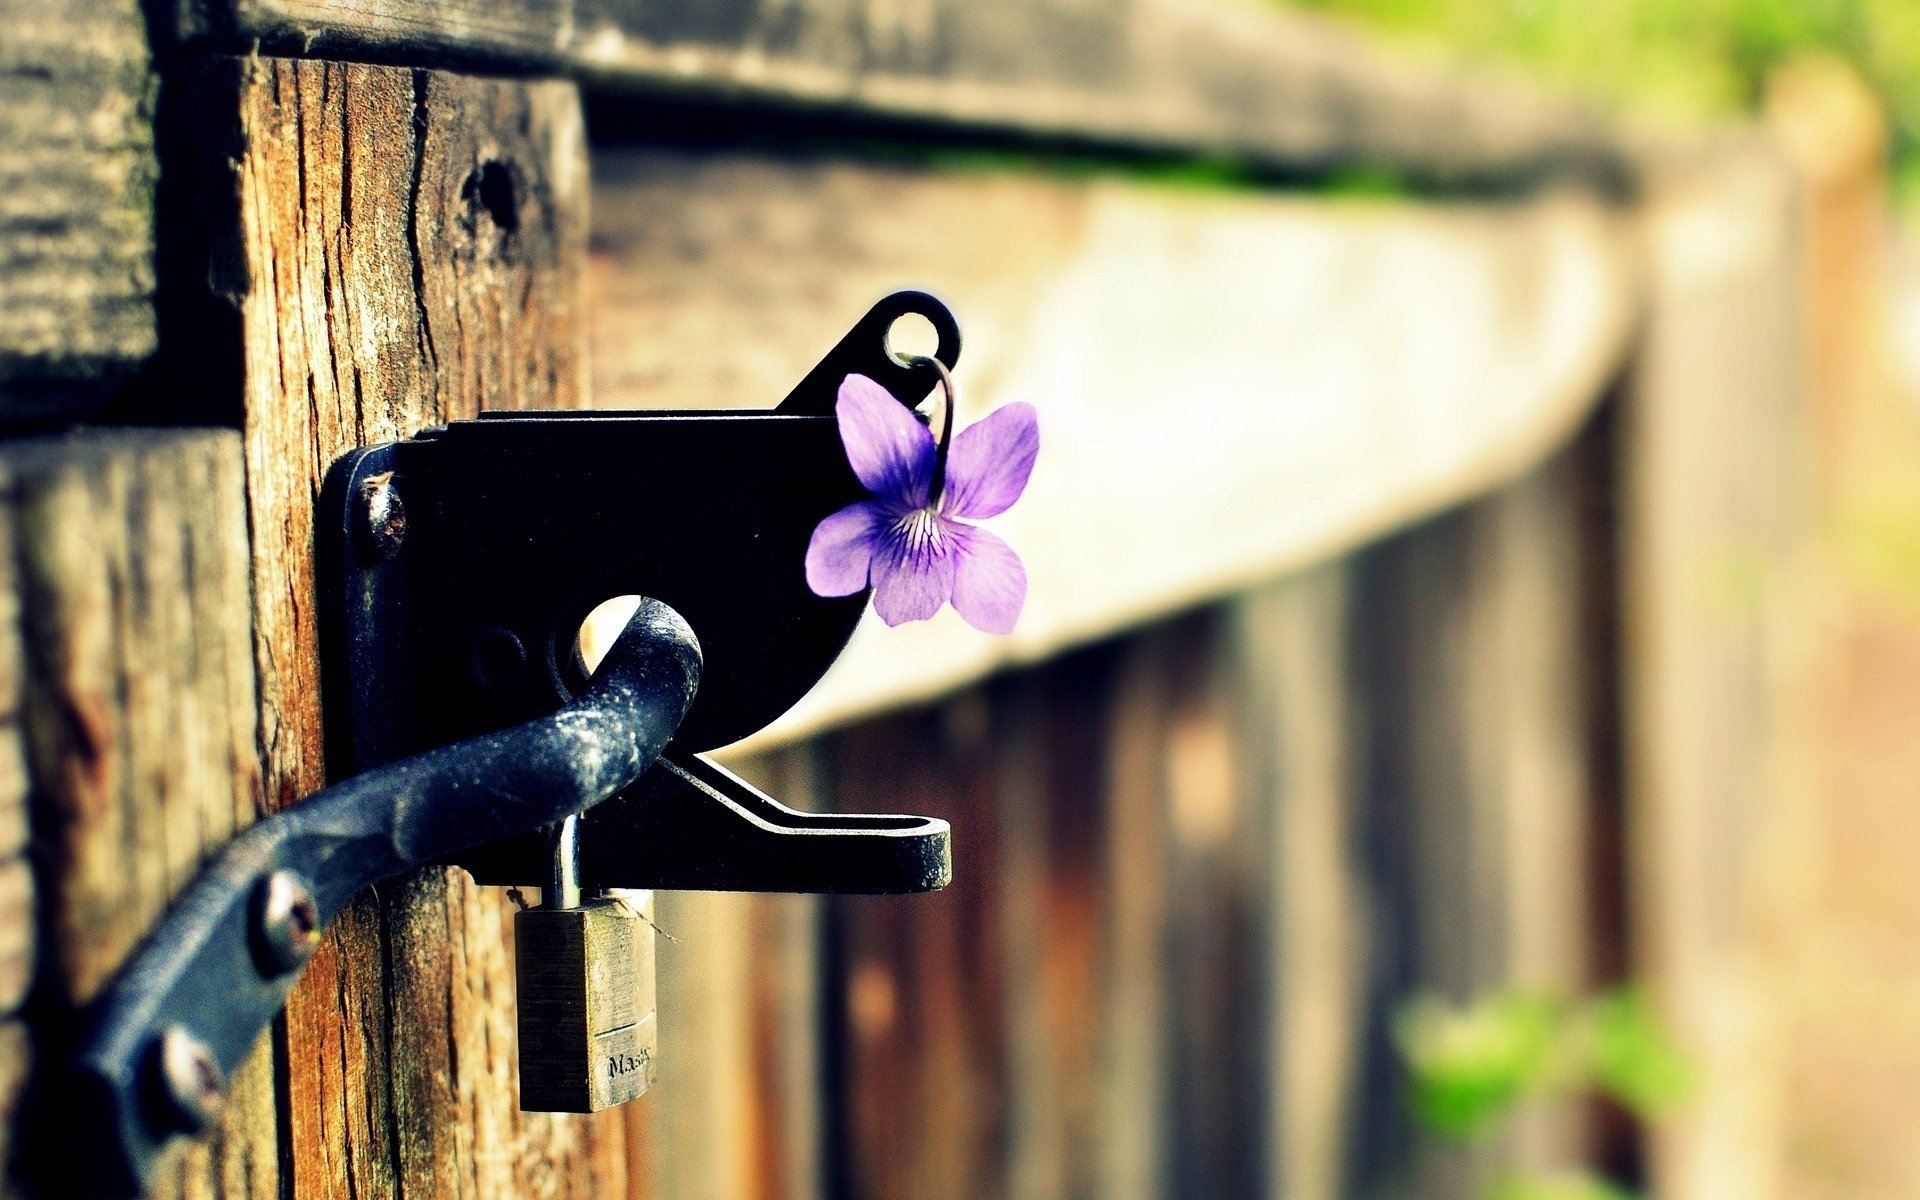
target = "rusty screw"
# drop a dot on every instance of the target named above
(381, 518)
(190, 1080)
(286, 922)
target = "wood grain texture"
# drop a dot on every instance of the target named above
(1214, 77)
(77, 173)
(922, 992)
(1850, 908)
(391, 249)
(1275, 88)
(1722, 621)
(1200, 868)
(1468, 657)
(526, 33)
(127, 585)
(738, 1112)
(1214, 405)
(1085, 1011)
(1296, 726)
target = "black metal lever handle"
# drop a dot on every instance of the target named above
(188, 1005)
(691, 825)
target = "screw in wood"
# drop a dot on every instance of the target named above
(190, 1079)
(286, 922)
(380, 518)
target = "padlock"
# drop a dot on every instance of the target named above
(584, 974)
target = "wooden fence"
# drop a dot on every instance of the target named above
(1419, 585)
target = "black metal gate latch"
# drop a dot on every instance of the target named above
(457, 568)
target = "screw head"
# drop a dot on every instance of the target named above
(286, 922)
(380, 519)
(190, 1080)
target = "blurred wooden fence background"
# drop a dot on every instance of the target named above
(1436, 619)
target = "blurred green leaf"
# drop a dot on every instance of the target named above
(1669, 57)
(1631, 1059)
(1471, 1065)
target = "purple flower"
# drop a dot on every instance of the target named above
(907, 540)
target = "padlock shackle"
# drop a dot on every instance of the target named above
(187, 1007)
(563, 882)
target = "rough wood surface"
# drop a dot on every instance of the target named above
(1721, 666)
(527, 33)
(737, 1112)
(1199, 869)
(125, 584)
(1850, 1046)
(921, 992)
(1475, 757)
(1298, 727)
(391, 248)
(76, 203)
(1275, 88)
(1088, 1010)
(1213, 77)
(1214, 405)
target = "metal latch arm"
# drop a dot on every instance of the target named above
(188, 1006)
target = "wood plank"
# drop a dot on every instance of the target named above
(1277, 89)
(77, 175)
(702, 1101)
(1476, 761)
(529, 34)
(741, 1100)
(786, 1015)
(1214, 407)
(392, 249)
(1846, 902)
(1214, 1000)
(1201, 869)
(1723, 616)
(1024, 1032)
(922, 990)
(1135, 1018)
(1285, 652)
(127, 579)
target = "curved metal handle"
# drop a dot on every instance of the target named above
(188, 1006)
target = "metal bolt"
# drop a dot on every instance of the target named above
(286, 922)
(190, 1079)
(381, 518)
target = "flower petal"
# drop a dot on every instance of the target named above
(889, 449)
(841, 550)
(989, 583)
(912, 578)
(988, 464)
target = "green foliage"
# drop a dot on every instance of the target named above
(1471, 1066)
(1666, 57)
(1187, 173)
(1629, 1057)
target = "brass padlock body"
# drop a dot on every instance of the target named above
(585, 982)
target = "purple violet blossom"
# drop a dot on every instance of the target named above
(907, 540)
